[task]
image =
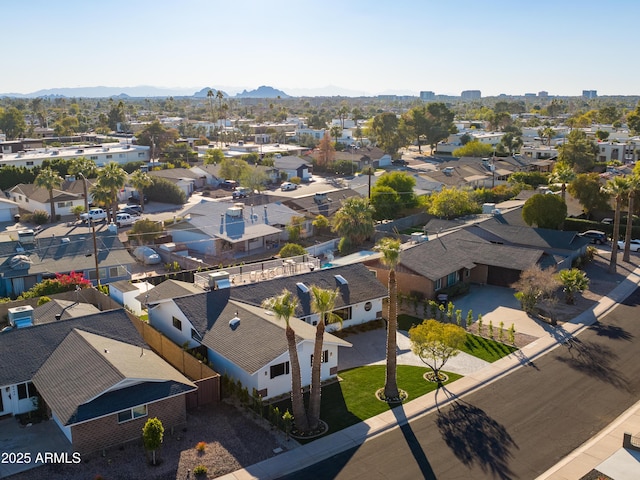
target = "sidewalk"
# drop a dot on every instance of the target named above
(582, 460)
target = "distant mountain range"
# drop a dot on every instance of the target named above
(146, 91)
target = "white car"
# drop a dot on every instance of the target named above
(124, 219)
(634, 245)
(287, 186)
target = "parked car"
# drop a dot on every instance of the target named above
(287, 186)
(132, 210)
(240, 192)
(229, 185)
(95, 215)
(135, 200)
(147, 255)
(125, 219)
(402, 163)
(596, 236)
(634, 245)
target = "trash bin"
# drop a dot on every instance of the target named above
(16, 218)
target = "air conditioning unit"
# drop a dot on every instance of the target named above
(21, 317)
(235, 212)
(219, 280)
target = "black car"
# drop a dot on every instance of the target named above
(134, 199)
(596, 236)
(402, 163)
(132, 210)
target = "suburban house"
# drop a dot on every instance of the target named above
(325, 204)
(29, 258)
(235, 229)
(125, 292)
(8, 209)
(29, 197)
(186, 179)
(293, 166)
(96, 376)
(359, 300)
(242, 341)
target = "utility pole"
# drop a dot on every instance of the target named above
(95, 250)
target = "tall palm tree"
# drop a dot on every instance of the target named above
(210, 96)
(354, 221)
(49, 179)
(284, 306)
(618, 187)
(323, 302)
(112, 177)
(86, 168)
(562, 173)
(634, 184)
(101, 195)
(140, 180)
(390, 249)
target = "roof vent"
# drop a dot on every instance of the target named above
(341, 280)
(234, 322)
(302, 287)
(65, 240)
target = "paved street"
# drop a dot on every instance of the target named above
(518, 426)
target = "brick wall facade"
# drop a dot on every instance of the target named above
(106, 432)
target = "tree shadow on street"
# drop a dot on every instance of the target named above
(610, 331)
(594, 360)
(412, 441)
(476, 438)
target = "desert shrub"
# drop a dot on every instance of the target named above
(292, 250)
(200, 470)
(40, 217)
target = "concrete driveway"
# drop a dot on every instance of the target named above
(39, 438)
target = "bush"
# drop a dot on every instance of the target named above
(296, 180)
(200, 470)
(145, 231)
(344, 245)
(201, 446)
(62, 283)
(43, 300)
(40, 217)
(162, 190)
(291, 250)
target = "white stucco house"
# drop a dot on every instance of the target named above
(8, 208)
(125, 292)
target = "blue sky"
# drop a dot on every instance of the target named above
(366, 47)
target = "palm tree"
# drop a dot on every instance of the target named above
(390, 249)
(618, 187)
(140, 180)
(323, 302)
(86, 169)
(112, 177)
(210, 96)
(634, 184)
(49, 179)
(354, 221)
(562, 173)
(284, 306)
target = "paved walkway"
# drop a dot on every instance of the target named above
(603, 451)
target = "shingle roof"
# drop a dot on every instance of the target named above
(167, 290)
(290, 162)
(308, 205)
(47, 312)
(86, 365)
(123, 286)
(362, 286)
(257, 340)
(543, 238)
(41, 195)
(23, 351)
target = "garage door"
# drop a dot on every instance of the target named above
(502, 277)
(6, 215)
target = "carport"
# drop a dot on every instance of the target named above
(502, 276)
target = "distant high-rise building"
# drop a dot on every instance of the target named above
(589, 93)
(427, 96)
(543, 94)
(529, 95)
(471, 95)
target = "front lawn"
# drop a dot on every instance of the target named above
(483, 348)
(353, 399)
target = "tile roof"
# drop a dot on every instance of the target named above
(85, 366)
(24, 350)
(258, 339)
(167, 290)
(362, 286)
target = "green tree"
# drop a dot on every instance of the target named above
(439, 123)
(158, 137)
(562, 173)
(451, 203)
(386, 202)
(162, 190)
(510, 143)
(49, 179)
(354, 221)
(336, 132)
(390, 249)
(323, 302)
(145, 231)
(618, 188)
(634, 185)
(291, 250)
(112, 178)
(474, 148)
(213, 156)
(547, 133)
(587, 189)
(633, 120)
(435, 343)
(12, 123)
(152, 435)
(321, 223)
(573, 280)
(233, 168)
(116, 115)
(254, 179)
(402, 184)
(544, 211)
(101, 195)
(608, 114)
(283, 307)
(578, 151)
(140, 180)
(385, 127)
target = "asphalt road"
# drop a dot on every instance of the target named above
(517, 427)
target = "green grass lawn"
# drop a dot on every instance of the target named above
(483, 348)
(353, 399)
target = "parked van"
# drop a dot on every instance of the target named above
(124, 219)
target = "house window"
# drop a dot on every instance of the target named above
(177, 323)
(26, 390)
(367, 306)
(64, 204)
(132, 413)
(140, 154)
(122, 155)
(343, 313)
(109, 156)
(29, 164)
(26, 199)
(93, 157)
(325, 357)
(279, 369)
(92, 274)
(438, 284)
(195, 335)
(452, 279)
(467, 272)
(118, 271)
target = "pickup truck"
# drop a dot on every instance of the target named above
(95, 214)
(124, 219)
